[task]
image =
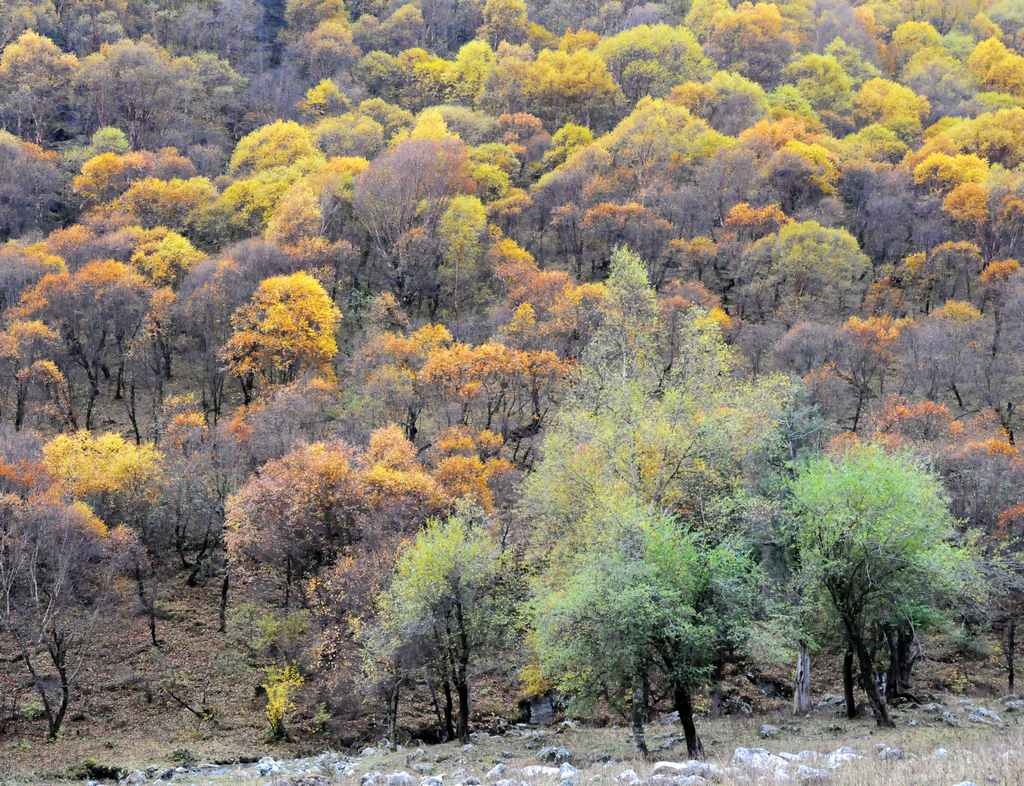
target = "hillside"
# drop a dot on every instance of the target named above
(372, 371)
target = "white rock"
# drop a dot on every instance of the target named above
(840, 756)
(763, 761)
(432, 780)
(805, 774)
(889, 753)
(496, 772)
(539, 771)
(267, 766)
(373, 778)
(567, 772)
(984, 716)
(686, 769)
(628, 778)
(940, 753)
(400, 779)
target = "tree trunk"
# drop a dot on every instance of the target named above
(449, 711)
(462, 688)
(1011, 645)
(851, 700)
(870, 685)
(802, 681)
(393, 698)
(684, 706)
(148, 604)
(903, 653)
(639, 739)
(222, 612)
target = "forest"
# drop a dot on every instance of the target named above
(438, 356)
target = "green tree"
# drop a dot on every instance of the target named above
(648, 598)
(447, 592)
(658, 415)
(874, 540)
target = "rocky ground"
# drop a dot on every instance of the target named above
(951, 742)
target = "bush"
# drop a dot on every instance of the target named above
(280, 685)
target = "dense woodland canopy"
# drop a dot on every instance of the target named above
(597, 347)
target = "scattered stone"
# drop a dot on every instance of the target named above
(135, 777)
(423, 768)
(840, 756)
(373, 778)
(432, 780)
(267, 766)
(1013, 705)
(554, 753)
(951, 719)
(371, 751)
(567, 773)
(539, 771)
(761, 760)
(889, 753)
(768, 731)
(984, 716)
(933, 707)
(400, 779)
(702, 769)
(940, 753)
(496, 772)
(628, 778)
(805, 774)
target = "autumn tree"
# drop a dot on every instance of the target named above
(288, 326)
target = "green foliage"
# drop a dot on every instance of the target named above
(665, 430)
(645, 596)
(875, 540)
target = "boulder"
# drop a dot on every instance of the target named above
(135, 777)
(567, 773)
(399, 779)
(496, 772)
(1013, 705)
(703, 769)
(889, 753)
(627, 778)
(373, 778)
(805, 774)
(761, 760)
(984, 716)
(267, 766)
(951, 719)
(840, 756)
(432, 780)
(554, 753)
(767, 731)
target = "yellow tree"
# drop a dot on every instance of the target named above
(287, 327)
